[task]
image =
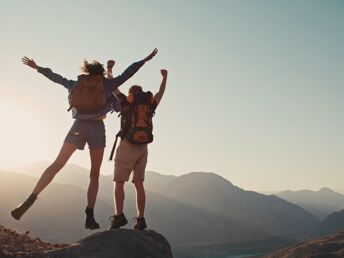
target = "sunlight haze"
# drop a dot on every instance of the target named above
(255, 89)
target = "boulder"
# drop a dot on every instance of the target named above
(120, 243)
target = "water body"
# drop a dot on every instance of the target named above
(230, 256)
(221, 256)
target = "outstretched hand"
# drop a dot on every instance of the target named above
(163, 72)
(151, 55)
(29, 62)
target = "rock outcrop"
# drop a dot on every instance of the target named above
(327, 247)
(121, 243)
(21, 245)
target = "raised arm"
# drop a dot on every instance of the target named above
(161, 91)
(110, 65)
(109, 74)
(68, 84)
(130, 71)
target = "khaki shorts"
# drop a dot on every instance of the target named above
(130, 157)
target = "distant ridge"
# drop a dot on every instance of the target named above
(332, 223)
(269, 214)
(319, 203)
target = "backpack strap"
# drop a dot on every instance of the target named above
(114, 146)
(120, 133)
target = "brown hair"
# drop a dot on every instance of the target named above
(135, 89)
(94, 68)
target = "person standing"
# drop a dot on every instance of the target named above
(137, 112)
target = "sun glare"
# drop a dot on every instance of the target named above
(23, 135)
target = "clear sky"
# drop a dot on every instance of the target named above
(255, 88)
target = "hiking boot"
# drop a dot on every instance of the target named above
(23, 207)
(118, 221)
(140, 224)
(90, 221)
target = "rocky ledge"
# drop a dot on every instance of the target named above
(120, 243)
(20, 245)
(326, 247)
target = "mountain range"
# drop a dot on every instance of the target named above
(332, 223)
(320, 203)
(193, 210)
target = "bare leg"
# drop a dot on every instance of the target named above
(48, 175)
(140, 199)
(65, 153)
(119, 219)
(119, 197)
(96, 161)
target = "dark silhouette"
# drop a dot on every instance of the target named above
(131, 156)
(88, 127)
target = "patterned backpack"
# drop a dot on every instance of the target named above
(136, 119)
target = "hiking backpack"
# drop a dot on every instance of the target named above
(136, 120)
(88, 94)
(114, 102)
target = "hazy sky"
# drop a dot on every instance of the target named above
(255, 88)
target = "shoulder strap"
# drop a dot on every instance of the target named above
(114, 146)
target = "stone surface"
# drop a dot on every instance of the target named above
(21, 245)
(121, 243)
